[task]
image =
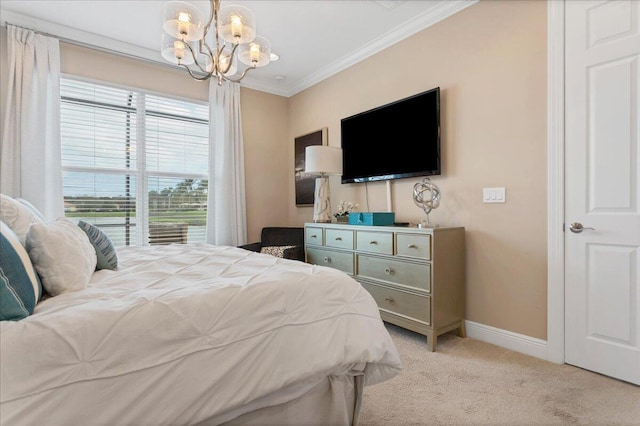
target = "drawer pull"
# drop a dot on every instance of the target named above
(373, 242)
(338, 239)
(412, 246)
(388, 271)
(389, 299)
(312, 236)
(327, 259)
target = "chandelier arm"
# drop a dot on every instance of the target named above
(195, 59)
(195, 76)
(213, 13)
(237, 80)
(231, 58)
(215, 4)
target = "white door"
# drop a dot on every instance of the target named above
(602, 175)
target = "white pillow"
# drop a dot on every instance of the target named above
(17, 216)
(62, 254)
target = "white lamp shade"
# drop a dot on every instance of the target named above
(256, 52)
(176, 51)
(323, 159)
(236, 24)
(183, 21)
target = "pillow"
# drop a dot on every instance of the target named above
(17, 216)
(20, 287)
(62, 254)
(105, 251)
(277, 251)
(32, 209)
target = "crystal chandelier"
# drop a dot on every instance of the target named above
(235, 25)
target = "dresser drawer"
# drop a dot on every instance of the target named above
(375, 242)
(413, 245)
(401, 303)
(340, 238)
(395, 271)
(338, 260)
(313, 236)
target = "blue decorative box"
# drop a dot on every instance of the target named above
(372, 218)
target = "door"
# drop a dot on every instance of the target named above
(602, 176)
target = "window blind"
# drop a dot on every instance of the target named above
(134, 164)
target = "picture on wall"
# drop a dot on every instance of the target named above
(305, 183)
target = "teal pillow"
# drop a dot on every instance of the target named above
(105, 251)
(20, 287)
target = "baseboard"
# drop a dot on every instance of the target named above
(507, 339)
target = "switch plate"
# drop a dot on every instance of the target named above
(494, 195)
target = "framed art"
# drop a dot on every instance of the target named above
(305, 183)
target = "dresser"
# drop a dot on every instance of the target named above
(416, 276)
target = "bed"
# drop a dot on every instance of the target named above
(197, 334)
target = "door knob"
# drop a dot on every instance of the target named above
(576, 227)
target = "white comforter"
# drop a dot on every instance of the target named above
(183, 333)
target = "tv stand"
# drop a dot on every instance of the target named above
(416, 276)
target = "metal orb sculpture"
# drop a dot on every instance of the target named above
(426, 195)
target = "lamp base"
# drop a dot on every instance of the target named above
(322, 204)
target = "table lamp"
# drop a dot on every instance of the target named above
(323, 160)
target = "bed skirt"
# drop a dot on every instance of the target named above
(336, 400)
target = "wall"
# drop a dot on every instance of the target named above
(490, 63)
(264, 124)
(264, 119)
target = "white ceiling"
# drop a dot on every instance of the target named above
(314, 38)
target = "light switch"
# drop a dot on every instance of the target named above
(494, 195)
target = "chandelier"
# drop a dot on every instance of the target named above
(235, 37)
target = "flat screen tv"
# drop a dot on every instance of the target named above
(397, 140)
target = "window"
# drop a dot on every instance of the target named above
(134, 164)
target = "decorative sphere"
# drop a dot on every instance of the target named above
(426, 195)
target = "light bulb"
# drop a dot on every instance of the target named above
(236, 26)
(179, 49)
(184, 21)
(254, 52)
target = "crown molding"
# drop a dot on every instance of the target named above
(82, 38)
(439, 12)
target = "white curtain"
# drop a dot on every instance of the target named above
(226, 205)
(30, 162)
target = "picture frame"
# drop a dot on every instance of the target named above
(305, 182)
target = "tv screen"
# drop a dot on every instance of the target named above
(394, 141)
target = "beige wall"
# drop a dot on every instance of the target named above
(267, 166)
(490, 63)
(102, 66)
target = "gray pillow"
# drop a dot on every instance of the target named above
(105, 251)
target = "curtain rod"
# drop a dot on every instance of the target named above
(94, 47)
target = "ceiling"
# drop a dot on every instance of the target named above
(314, 38)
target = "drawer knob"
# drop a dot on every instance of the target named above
(388, 271)
(411, 246)
(389, 299)
(338, 239)
(373, 242)
(327, 259)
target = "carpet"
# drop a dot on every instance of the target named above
(470, 382)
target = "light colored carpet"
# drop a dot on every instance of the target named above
(469, 382)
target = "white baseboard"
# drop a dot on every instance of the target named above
(507, 339)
